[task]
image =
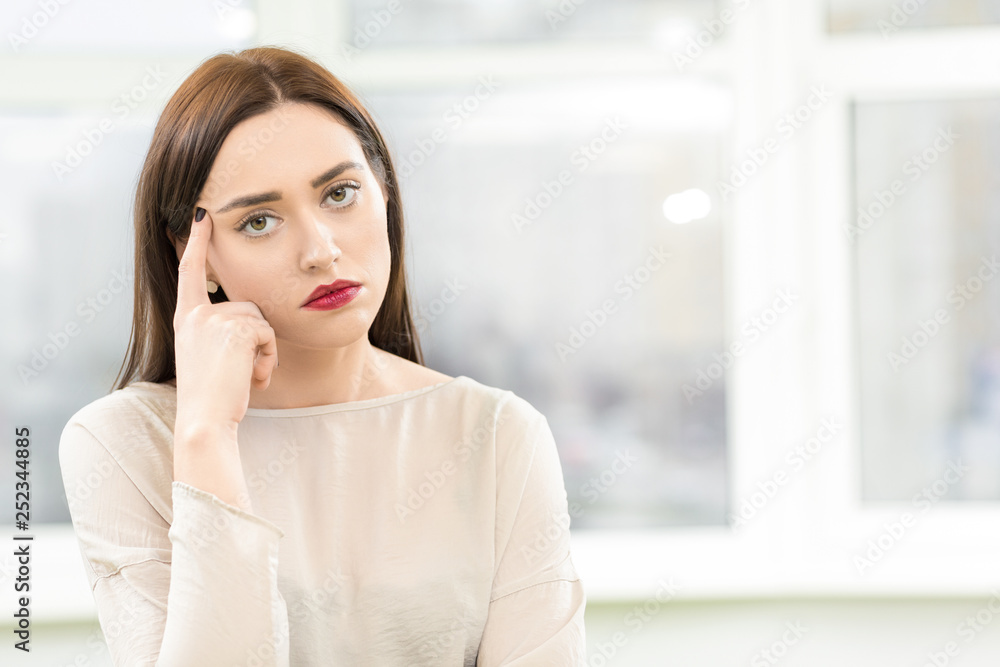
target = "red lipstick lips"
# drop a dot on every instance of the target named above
(334, 295)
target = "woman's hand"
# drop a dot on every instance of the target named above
(220, 348)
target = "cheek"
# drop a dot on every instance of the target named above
(382, 256)
(279, 283)
(255, 276)
(373, 251)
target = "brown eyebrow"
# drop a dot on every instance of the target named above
(265, 197)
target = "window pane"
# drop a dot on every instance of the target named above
(926, 235)
(66, 268)
(124, 27)
(536, 218)
(451, 22)
(890, 16)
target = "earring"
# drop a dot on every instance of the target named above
(212, 286)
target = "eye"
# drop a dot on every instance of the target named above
(342, 192)
(256, 221)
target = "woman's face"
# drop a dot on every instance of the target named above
(295, 205)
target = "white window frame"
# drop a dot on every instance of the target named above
(787, 227)
(784, 229)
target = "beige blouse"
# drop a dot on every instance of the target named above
(429, 527)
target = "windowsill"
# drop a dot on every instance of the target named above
(944, 559)
(705, 564)
(58, 582)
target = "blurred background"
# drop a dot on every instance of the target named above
(740, 254)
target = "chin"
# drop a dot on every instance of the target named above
(332, 331)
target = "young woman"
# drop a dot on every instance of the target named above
(277, 479)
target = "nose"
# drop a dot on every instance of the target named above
(319, 248)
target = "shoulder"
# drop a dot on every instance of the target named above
(137, 404)
(503, 404)
(517, 426)
(136, 421)
(507, 407)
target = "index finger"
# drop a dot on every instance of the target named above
(191, 269)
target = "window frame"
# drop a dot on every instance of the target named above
(785, 228)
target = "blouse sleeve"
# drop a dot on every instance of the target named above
(536, 610)
(201, 590)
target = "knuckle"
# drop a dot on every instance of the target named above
(235, 327)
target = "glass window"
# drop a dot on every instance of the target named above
(552, 260)
(71, 300)
(121, 27)
(466, 22)
(890, 16)
(926, 238)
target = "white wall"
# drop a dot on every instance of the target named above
(834, 633)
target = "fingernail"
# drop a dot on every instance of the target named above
(199, 214)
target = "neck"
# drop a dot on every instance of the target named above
(307, 376)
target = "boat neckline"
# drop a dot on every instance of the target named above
(364, 404)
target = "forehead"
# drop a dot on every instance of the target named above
(290, 144)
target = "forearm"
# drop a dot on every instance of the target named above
(208, 458)
(224, 605)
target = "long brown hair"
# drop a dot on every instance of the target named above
(223, 91)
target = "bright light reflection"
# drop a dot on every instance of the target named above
(683, 207)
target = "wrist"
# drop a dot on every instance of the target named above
(198, 432)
